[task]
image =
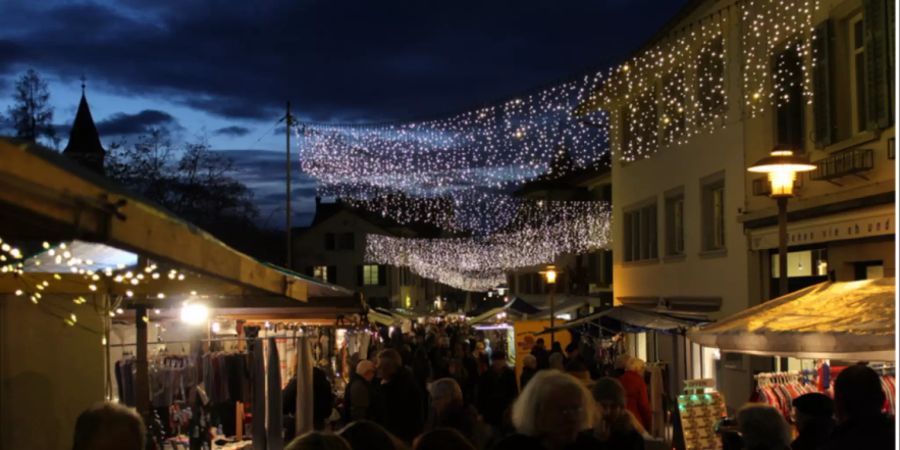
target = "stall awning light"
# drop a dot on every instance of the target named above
(194, 313)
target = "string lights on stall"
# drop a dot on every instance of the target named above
(36, 280)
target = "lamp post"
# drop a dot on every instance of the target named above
(550, 277)
(782, 167)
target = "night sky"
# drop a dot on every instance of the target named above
(223, 69)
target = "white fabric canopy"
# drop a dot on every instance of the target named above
(852, 320)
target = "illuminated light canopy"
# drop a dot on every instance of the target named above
(493, 147)
(781, 31)
(480, 263)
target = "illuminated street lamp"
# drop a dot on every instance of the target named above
(782, 167)
(550, 275)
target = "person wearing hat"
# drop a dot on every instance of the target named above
(497, 390)
(815, 420)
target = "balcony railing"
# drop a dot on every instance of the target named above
(847, 162)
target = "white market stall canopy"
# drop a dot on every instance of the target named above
(852, 320)
(46, 196)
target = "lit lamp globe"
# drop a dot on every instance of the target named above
(550, 274)
(194, 313)
(782, 167)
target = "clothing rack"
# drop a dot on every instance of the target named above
(229, 339)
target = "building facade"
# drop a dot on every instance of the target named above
(584, 278)
(721, 86)
(333, 248)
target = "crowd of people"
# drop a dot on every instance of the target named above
(448, 391)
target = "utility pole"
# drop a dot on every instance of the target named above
(288, 121)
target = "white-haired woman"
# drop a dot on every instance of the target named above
(550, 413)
(636, 397)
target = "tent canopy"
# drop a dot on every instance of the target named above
(67, 203)
(635, 318)
(490, 308)
(852, 320)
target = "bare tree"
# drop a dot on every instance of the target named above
(192, 181)
(31, 113)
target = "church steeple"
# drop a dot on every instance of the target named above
(84, 140)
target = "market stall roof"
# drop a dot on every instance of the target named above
(61, 201)
(852, 320)
(637, 318)
(497, 303)
(383, 317)
(492, 307)
(566, 303)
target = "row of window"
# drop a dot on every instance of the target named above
(641, 225)
(591, 269)
(852, 87)
(367, 274)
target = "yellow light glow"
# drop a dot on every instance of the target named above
(194, 313)
(782, 182)
(550, 275)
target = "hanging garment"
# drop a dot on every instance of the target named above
(274, 425)
(259, 395)
(656, 402)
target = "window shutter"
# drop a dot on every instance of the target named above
(822, 99)
(878, 75)
(332, 274)
(382, 275)
(359, 275)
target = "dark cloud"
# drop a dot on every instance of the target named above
(347, 61)
(263, 172)
(124, 124)
(232, 131)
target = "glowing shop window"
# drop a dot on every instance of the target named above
(370, 274)
(321, 272)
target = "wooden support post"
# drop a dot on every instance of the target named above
(142, 378)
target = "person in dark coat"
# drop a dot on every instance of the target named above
(529, 368)
(404, 401)
(497, 390)
(763, 427)
(368, 435)
(858, 399)
(541, 354)
(323, 402)
(614, 429)
(449, 411)
(815, 421)
(360, 398)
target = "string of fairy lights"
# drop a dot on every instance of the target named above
(456, 172)
(479, 263)
(35, 281)
(777, 44)
(492, 147)
(669, 92)
(480, 212)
